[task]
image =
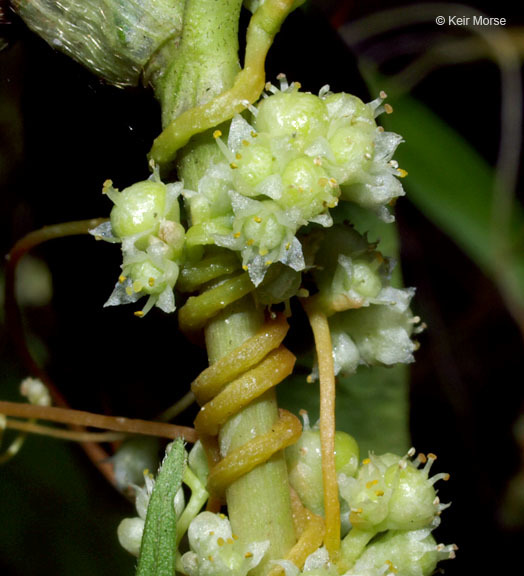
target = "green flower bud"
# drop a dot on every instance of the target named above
(346, 453)
(353, 147)
(349, 272)
(292, 114)
(307, 189)
(342, 106)
(254, 164)
(145, 219)
(139, 209)
(392, 493)
(304, 462)
(411, 553)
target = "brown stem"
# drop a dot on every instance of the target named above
(81, 418)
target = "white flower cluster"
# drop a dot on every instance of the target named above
(146, 220)
(389, 507)
(216, 551)
(286, 168)
(370, 321)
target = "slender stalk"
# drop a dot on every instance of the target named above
(259, 505)
(81, 418)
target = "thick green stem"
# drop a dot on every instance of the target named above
(205, 65)
(206, 61)
(259, 504)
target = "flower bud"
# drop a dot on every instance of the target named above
(130, 532)
(304, 462)
(411, 553)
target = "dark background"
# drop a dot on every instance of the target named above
(65, 133)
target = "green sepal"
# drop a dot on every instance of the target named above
(158, 549)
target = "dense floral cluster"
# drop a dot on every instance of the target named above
(286, 168)
(389, 508)
(146, 220)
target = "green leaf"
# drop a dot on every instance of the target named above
(158, 550)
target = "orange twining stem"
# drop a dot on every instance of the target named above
(243, 390)
(256, 451)
(322, 336)
(209, 383)
(310, 529)
(232, 383)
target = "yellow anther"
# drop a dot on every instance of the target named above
(254, 134)
(151, 281)
(309, 379)
(250, 242)
(122, 278)
(263, 252)
(245, 142)
(288, 245)
(391, 566)
(139, 314)
(229, 540)
(388, 108)
(333, 183)
(366, 461)
(269, 262)
(432, 456)
(401, 173)
(297, 85)
(379, 493)
(248, 555)
(220, 541)
(317, 161)
(217, 134)
(236, 235)
(233, 165)
(244, 267)
(257, 219)
(235, 537)
(210, 558)
(238, 156)
(371, 483)
(212, 533)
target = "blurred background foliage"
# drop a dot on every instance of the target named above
(457, 98)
